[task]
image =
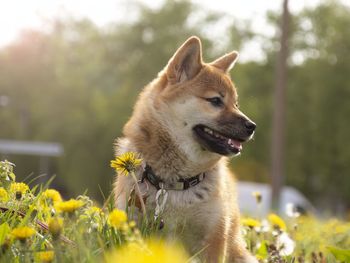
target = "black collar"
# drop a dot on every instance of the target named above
(181, 184)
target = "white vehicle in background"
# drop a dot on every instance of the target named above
(289, 195)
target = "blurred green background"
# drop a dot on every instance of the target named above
(76, 82)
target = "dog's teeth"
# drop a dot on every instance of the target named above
(216, 135)
(229, 141)
(207, 130)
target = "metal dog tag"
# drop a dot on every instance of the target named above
(161, 198)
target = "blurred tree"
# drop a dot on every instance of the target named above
(279, 113)
(78, 83)
(318, 155)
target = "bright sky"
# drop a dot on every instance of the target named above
(16, 15)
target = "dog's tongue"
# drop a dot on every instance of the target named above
(235, 144)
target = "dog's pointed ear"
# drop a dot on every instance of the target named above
(226, 62)
(186, 62)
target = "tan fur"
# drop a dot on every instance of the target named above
(160, 129)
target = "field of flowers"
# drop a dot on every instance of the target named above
(36, 225)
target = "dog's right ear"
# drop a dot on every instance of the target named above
(186, 62)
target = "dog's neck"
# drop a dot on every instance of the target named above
(159, 151)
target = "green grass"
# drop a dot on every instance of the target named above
(79, 231)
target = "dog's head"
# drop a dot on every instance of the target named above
(199, 103)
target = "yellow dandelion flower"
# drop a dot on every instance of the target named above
(250, 222)
(277, 222)
(19, 188)
(117, 218)
(3, 195)
(154, 252)
(132, 224)
(126, 163)
(55, 226)
(52, 196)
(69, 206)
(46, 256)
(22, 233)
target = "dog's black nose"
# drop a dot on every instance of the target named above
(250, 126)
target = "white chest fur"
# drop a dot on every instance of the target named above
(188, 214)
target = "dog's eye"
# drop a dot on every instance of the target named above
(216, 101)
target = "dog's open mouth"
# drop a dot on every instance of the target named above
(215, 141)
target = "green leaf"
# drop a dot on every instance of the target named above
(342, 255)
(4, 230)
(262, 251)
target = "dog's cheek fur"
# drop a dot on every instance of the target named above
(185, 114)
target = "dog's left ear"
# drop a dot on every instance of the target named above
(186, 62)
(226, 62)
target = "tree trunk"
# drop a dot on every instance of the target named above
(278, 125)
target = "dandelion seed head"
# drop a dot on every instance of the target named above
(292, 211)
(264, 227)
(285, 244)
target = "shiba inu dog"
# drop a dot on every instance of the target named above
(185, 124)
